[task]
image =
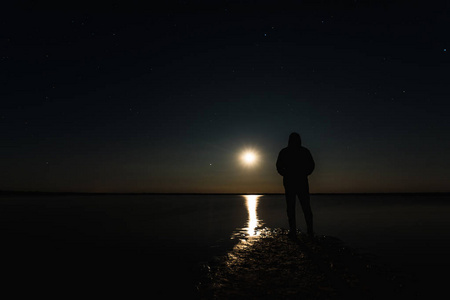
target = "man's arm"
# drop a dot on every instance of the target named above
(311, 164)
(281, 166)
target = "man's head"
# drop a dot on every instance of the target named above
(295, 140)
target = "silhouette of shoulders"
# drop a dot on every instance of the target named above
(295, 160)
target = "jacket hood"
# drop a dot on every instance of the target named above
(294, 140)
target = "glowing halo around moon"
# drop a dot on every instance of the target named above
(249, 157)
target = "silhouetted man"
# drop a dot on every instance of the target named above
(295, 163)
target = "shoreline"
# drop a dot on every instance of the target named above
(274, 265)
(43, 193)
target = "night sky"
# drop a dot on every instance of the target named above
(125, 97)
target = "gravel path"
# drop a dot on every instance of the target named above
(272, 266)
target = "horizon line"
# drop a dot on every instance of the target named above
(3, 192)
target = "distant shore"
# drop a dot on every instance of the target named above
(41, 193)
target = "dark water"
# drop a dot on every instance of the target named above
(144, 245)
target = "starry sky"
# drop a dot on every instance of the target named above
(126, 97)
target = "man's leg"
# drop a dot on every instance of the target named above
(306, 207)
(290, 205)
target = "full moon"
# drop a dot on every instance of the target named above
(249, 157)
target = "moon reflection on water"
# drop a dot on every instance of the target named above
(253, 222)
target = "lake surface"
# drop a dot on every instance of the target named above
(148, 244)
